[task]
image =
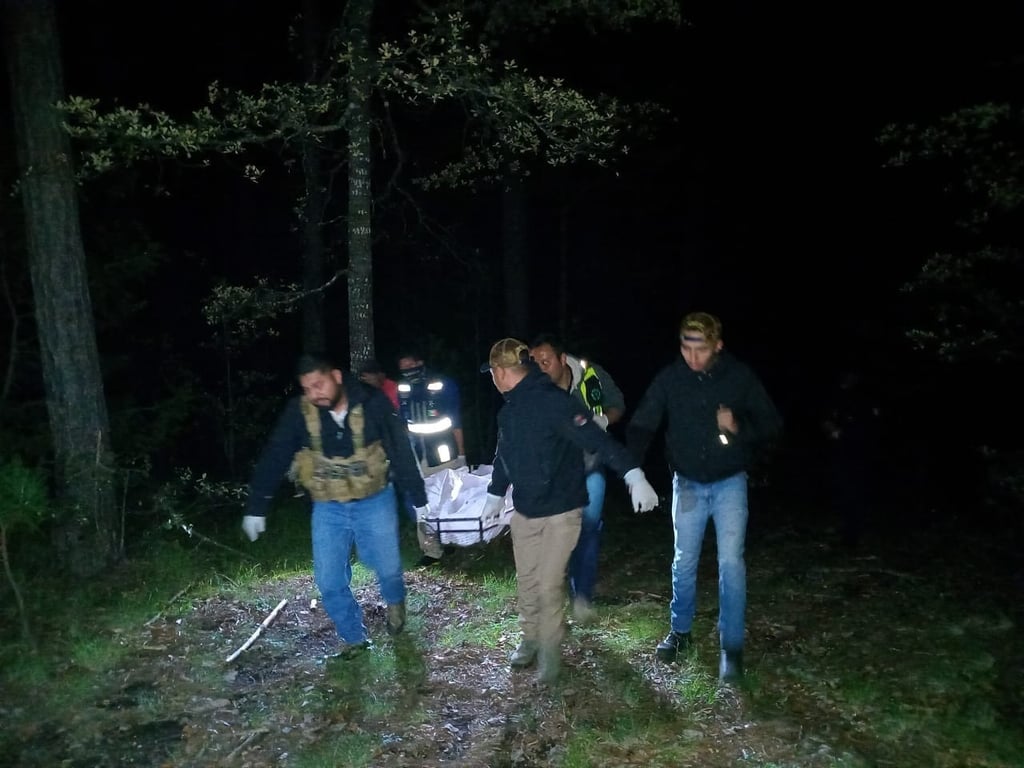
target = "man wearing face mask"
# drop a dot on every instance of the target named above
(432, 409)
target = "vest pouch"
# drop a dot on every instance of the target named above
(302, 468)
(363, 474)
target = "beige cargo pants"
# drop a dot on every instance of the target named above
(542, 547)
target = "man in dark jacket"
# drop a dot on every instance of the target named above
(344, 443)
(543, 433)
(718, 415)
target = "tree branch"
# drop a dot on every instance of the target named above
(259, 631)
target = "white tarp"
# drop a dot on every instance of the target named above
(457, 498)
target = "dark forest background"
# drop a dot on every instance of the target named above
(763, 194)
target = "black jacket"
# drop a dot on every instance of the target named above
(542, 434)
(290, 436)
(690, 401)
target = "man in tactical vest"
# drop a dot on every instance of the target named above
(343, 443)
(592, 386)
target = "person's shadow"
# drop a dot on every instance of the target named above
(390, 675)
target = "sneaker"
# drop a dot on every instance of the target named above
(671, 645)
(730, 668)
(583, 612)
(396, 618)
(426, 561)
(524, 655)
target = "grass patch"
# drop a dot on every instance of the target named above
(493, 618)
(696, 686)
(629, 743)
(629, 629)
(353, 750)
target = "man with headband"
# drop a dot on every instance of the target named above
(718, 415)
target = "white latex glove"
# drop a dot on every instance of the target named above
(601, 420)
(422, 513)
(640, 491)
(492, 507)
(254, 526)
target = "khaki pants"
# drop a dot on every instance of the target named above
(542, 547)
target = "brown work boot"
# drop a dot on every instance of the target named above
(524, 655)
(396, 618)
(429, 540)
(583, 611)
(549, 664)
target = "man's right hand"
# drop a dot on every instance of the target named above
(492, 507)
(254, 525)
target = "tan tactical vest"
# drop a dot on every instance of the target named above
(362, 474)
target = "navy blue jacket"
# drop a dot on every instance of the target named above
(543, 432)
(689, 401)
(290, 436)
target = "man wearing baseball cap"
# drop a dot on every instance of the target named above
(719, 415)
(543, 433)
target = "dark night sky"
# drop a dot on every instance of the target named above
(767, 206)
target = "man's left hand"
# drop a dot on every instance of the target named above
(641, 492)
(254, 525)
(726, 420)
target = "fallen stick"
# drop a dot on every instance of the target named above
(259, 631)
(168, 604)
(252, 735)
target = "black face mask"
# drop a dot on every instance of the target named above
(413, 375)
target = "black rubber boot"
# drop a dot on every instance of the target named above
(673, 643)
(730, 668)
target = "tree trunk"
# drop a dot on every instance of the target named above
(514, 260)
(563, 268)
(360, 254)
(89, 534)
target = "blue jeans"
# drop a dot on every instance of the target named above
(583, 563)
(693, 504)
(371, 525)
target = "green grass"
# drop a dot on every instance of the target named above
(78, 623)
(351, 750)
(630, 628)
(858, 666)
(484, 629)
(696, 686)
(494, 620)
(590, 747)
